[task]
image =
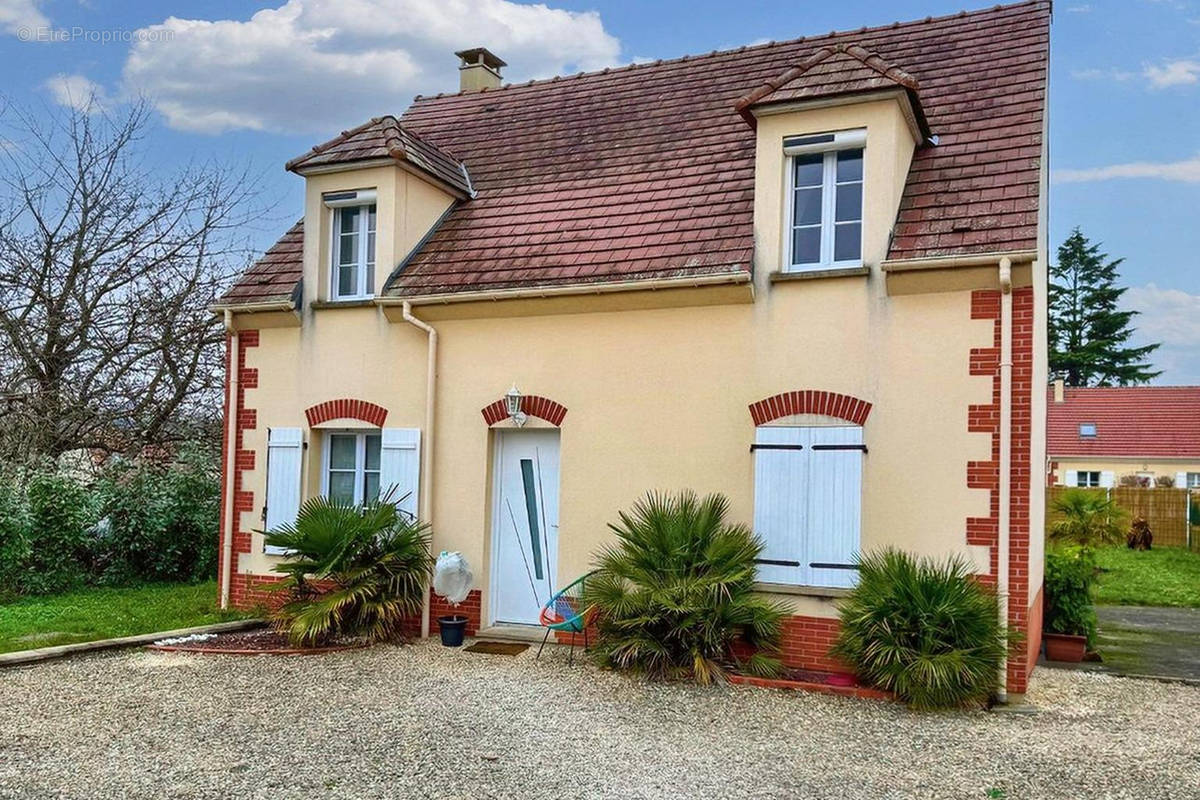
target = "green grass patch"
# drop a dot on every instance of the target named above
(91, 614)
(1164, 576)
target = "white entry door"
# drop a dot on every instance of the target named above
(524, 524)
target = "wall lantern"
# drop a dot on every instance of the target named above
(513, 402)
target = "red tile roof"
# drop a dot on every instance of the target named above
(1139, 422)
(385, 137)
(647, 171)
(274, 277)
(837, 70)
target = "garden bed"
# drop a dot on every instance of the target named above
(809, 681)
(248, 643)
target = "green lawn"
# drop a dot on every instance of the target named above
(1164, 576)
(91, 614)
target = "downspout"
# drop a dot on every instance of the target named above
(231, 415)
(426, 499)
(1005, 467)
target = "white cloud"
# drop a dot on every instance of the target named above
(1102, 74)
(1186, 171)
(77, 92)
(18, 17)
(1172, 317)
(315, 65)
(1181, 72)
(1082, 8)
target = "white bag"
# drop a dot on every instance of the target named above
(452, 577)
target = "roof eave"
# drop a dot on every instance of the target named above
(910, 107)
(369, 163)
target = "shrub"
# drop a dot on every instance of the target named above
(675, 592)
(925, 630)
(61, 512)
(160, 520)
(1089, 519)
(1070, 575)
(14, 536)
(353, 571)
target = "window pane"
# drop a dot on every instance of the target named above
(371, 217)
(849, 203)
(347, 281)
(348, 220)
(849, 165)
(806, 245)
(370, 486)
(847, 242)
(348, 249)
(808, 170)
(341, 487)
(808, 207)
(372, 452)
(342, 453)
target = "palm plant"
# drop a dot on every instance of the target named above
(1088, 519)
(351, 571)
(925, 630)
(674, 593)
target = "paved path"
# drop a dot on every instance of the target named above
(1141, 640)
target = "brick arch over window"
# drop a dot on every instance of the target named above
(810, 401)
(532, 405)
(346, 408)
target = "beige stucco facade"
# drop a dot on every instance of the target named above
(1119, 467)
(657, 383)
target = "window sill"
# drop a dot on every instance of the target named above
(810, 591)
(781, 276)
(359, 302)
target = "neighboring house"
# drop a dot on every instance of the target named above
(1105, 436)
(809, 275)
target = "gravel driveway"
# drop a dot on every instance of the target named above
(423, 721)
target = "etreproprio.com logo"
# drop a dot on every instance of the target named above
(93, 35)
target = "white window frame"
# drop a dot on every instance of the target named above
(360, 461)
(1191, 480)
(1091, 425)
(364, 202)
(1083, 479)
(808, 144)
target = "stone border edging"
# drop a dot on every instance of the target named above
(200, 649)
(861, 692)
(63, 650)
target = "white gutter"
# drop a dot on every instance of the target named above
(946, 262)
(1005, 487)
(574, 289)
(426, 499)
(231, 415)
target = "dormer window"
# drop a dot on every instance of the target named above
(825, 200)
(1087, 430)
(353, 262)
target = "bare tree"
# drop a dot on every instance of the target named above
(107, 267)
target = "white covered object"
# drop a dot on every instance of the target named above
(452, 577)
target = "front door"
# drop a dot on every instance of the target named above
(524, 524)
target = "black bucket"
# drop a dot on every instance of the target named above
(452, 628)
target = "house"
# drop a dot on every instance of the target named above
(1106, 436)
(808, 274)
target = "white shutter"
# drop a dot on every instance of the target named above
(780, 474)
(1072, 478)
(1108, 480)
(400, 467)
(285, 449)
(834, 505)
(1181, 480)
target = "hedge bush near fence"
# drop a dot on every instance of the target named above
(133, 522)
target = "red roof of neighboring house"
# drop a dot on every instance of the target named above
(1135, 421)
(647, 171)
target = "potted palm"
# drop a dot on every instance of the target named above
(1070, 621)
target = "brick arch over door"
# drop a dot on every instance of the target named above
(532, 405)
(810, 401)
(346, 408)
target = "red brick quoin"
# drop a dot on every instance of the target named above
(810, 401)
(346, 408)
(532, 405)
(246, 419)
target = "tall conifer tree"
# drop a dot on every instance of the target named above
(1088, 331)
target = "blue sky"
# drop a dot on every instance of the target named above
(259, 82)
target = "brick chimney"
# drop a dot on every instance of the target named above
(480, 69)
(1060, 390)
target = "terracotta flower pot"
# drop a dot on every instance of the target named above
(1064, 647)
